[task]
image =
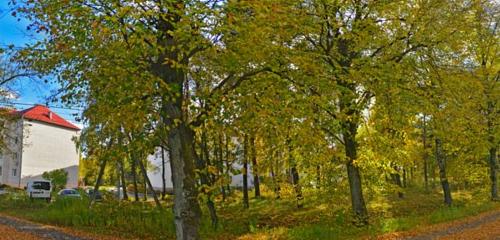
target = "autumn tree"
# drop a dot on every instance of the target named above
(346, 54)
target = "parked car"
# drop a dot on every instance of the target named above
(69, 193)
(40, 189)
(90, 193)
(117, 192)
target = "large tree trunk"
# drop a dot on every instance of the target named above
(442, 173)
(357, 199)
(175, 116)
(245, 173)
(187, 211)
(255, 171)
(493, 173)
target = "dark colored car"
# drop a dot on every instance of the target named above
(90, 193)
(69, 193)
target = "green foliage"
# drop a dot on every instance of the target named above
(322, 86)
(58, 177)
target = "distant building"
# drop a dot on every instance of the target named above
(37, 140)
(155, 171)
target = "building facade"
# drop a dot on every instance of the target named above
(37, 140)
(159, 163)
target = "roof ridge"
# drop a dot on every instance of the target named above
(41, 112)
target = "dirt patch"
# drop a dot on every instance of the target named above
(10, 233)
(483, 226)
(28, 230)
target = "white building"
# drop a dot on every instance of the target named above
(155, 171)
(37, 140)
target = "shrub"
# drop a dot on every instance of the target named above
(58, 177)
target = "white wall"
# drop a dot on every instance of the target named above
(47, 147)
(155, 171)
(10, 157)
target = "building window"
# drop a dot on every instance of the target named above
(15, 156)
(14, 172)
(17, 140)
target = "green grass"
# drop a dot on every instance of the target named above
(324, 216)
(113, 218)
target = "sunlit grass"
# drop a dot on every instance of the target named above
(325, 215)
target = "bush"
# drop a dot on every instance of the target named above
(58, 177)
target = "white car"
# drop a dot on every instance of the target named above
(39, 189)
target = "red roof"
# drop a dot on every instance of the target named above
(42, 113)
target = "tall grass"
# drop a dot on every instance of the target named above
(327, 217)
(141, 220)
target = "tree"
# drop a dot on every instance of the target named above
(58, 177)
(345, 61)
(144, 56)
(485, 71)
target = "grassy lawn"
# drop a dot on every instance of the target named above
(324, 215)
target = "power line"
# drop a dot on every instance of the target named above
(13, 47)
(33, 104)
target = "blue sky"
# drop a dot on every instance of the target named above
(13, 32)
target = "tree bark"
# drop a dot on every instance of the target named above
(318, 176)
(245, 173)
(405, 178)
(442, 173)
(396, 179)
(187, 211)
(175, 116)
(493, 173)
(98, 180)
(228, 164)
(295, 176)
(124, 183)
(426, 164)
(255, 171)
(203, 163)
(134, 179)
(296, 185)
(163, 177)
(145, 186)
(220, 165)
(148, 182)
(354, 176)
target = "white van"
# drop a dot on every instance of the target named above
(39, 189)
